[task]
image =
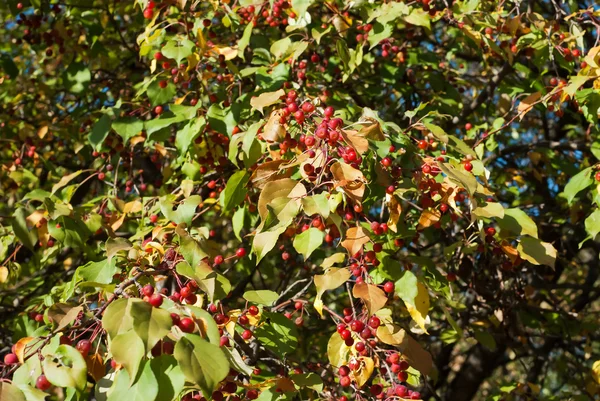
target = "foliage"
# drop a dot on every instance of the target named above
(299, 199)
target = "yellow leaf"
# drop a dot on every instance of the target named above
(283, 188)
(372, 296)
(42, 132)
(364, 372)
(331, 280)
(355, 238)
(395, 209)
(229, 52)
(266, 99)
(333, 259)
(596, 371)
(391, 334)
(420, 309)
(592, 58)
(527, 104)
(337, 350)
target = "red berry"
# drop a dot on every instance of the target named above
(423, 144)
(252, 394)
(42, 383)
(153, 218)
(360, 346)
(148, 13)
(402, 376)
(148, 290)
(246, 334)
(345, 381)
(490, 231)
(344, 370)
(253, 310)
(158, 110)
(84, 347)
(374, 322)
(388, 287)
(468, 166)
(218, 260)
(156, 300)
(597, 176)
(240, 253)
(101, 176)
(186, 325)
(11, 359)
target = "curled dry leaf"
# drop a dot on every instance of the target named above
(351, 180)
(269, 171)
(274, 130)
(358, 142)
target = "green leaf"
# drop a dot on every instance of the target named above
(485, 338)
(66, 368)
(19, 225)
(300, 6)
(245, 40)
(144, 387)
(100, 131)
(101, 272)
(418, 17)
(308, 380)
(158, 95)
(215, 285)
(280, 47)
(316, 204)
(201, 362)
(592, 223)
(9, 392)
(306, 242)
(379, 33)
(178, 49)
(190, 248)
(277, 333)
(128, 127)
(169, 377)
(117, 319)
(77, 77)
(261, 297)
(127, 349)
(518, 222)
(221, 120)
(343, 52)
(537, 252)
(10, 68)
(406, 287)
(235, 191)
(264, 242)
(452, 141)
(188, 134)
(150, 324)
(463, 178)
(578, 183)
(237, 222)
(489, 210)
(184, 212)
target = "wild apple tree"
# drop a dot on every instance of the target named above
(299, 200)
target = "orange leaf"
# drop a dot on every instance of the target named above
(527, 104)
(356, 237)
(95, 366)
(429, 218)
(373, 296)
